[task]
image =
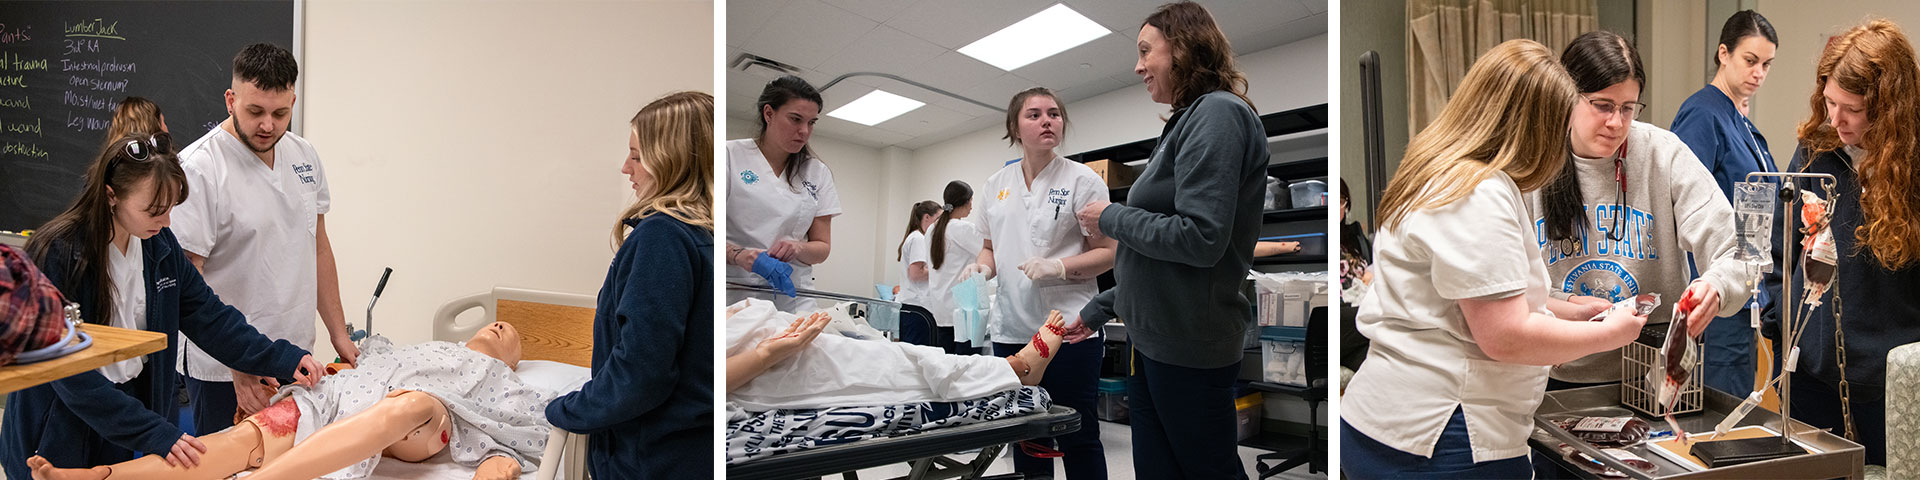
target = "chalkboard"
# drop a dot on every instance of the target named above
(65, 65)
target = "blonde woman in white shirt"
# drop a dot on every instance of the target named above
(1461, 331)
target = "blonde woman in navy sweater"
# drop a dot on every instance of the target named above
(648, 411)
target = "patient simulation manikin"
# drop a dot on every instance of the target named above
(408, 403)
(851, 366)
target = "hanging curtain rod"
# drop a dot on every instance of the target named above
(889, 76)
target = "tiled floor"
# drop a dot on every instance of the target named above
(1119, 445)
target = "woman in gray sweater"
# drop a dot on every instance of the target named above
(1185, 244)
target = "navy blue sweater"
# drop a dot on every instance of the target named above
(1877, 306)
(85, 420)
(648, 410)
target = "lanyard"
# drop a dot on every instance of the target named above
(1618, 230)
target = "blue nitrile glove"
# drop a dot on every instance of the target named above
(779, 274)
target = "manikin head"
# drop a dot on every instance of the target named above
(498, 340)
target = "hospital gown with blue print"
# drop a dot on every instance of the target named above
(493, 411)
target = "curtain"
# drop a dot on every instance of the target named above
(1444, 37)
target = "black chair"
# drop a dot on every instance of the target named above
(1314, 454)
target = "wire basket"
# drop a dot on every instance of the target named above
(1642, 356)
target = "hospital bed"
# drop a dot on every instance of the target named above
(556, 340)
(927, 451)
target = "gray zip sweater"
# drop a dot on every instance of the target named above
(1186, 237)
(1673, 210)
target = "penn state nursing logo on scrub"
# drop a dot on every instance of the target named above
(812, 189)
(1601, 278)
(747, 177)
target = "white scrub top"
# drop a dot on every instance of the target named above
(256, 227)
(914, 250)
(963, 246)
(127, 270)
(1424, 362)
(763, 207)
(1033, 222)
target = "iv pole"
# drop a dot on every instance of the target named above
(1790, 198)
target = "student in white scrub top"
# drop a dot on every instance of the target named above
(780, 197)
(1027, 221)
(952, 244)
(1461, 332)
(256, 227)
(911, 255)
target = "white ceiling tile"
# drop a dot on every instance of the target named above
(953, 71)
(955, 24)
(1065, 71)
(883, 50)
(749, 16)
(876, 10)
(807, 33)
(924, 120)
(999, 90)
(1315, 6)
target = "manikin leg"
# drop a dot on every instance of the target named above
(407, 425)
(262, 437)
(1031, 362)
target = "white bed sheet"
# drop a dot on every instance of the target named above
(554, 376)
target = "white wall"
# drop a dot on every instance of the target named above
(1781, 103)
(474, 144)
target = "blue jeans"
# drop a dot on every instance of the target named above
(1729, 363)
(1363, 458)
(1183, 420)
(1073, 379)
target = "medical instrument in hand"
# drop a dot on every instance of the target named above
(1671, 371)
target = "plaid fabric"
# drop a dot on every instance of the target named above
(32, 313)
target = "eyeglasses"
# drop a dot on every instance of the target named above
(1631, 110)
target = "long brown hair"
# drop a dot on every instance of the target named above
(135, 114)
(676, 148)
(1596, 60)
(1202, 58)
(88, 222)
(1876, 61)
(1509, 114)
(920, 209)
(958, 194)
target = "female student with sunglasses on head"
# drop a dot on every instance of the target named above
(1622, 218)
(112, 253)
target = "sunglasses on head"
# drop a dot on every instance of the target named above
(140, 149)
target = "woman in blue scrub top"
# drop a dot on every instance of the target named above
(1714, 124)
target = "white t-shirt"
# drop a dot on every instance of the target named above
(763, 207)
(128, 271)
(914, 250)
(1423, 361)
(1033, 222)
(256, 227)
(963, 246)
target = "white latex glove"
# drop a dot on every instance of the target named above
(1044, 268)
(973, 268)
